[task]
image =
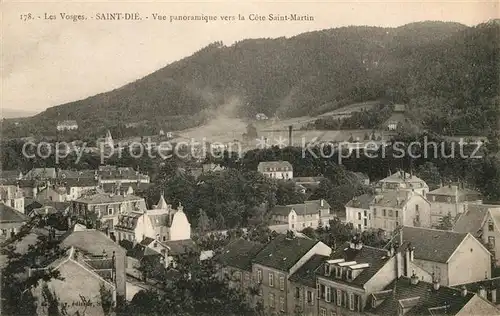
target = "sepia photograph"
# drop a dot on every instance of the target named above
(250, 158)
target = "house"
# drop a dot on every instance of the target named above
(308, 183)
(12, 196)
(125, 188)
(276, 262)
(235, 262)
(276, 169)
(11, 221)
(116, 175)
(83, 278)
(403, 181)
(52, 193)
(454, 258)
(162, 223)
(398, 118)
(41, 174)
(211, 167)
(362, 178)
(358, 212)
(11, 174)
(299, 216)
(95, 243)
(101, 210)
(411, 296)
(74, 188)
(27, 188)
(391, 209)
(67, 125)
(261, 117)
(483, 222)
(354, 272)
(75, 174)
(301, 300)
(451, 200)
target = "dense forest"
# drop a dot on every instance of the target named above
(447, 74)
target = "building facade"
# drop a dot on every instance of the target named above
(276, 169)
(312, 214)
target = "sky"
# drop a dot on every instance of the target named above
(50, 62)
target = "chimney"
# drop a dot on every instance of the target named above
(322, 202)
(435, 282)
(407, 262)
(412, 253)
(494, 296)
(290, 135)
(482, 292)
(414, 279)
(463, 291)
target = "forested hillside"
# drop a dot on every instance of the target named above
(447, 73)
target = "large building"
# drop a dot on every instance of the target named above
(276, 169)
(12, 196)
(11, 221)
(162, 223)
(102, 210)
(67, 125)
(300, 216)
(451, 200)
(403, 181)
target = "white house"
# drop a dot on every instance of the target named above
(67, 125)
(403, 181)
(358, 212)
(299, 216)
(276, 169)
(162, 223)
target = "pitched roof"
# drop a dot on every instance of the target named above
(472, 220)
(402, 177)
(239, 254)
(303, 180)
(362, 201)
(453, 190)
(75, 174)
(162, 205)
(428, 298)
(488, 284)
(78, 182)
(11, 215)
(10, 174)
(123, 187)
(41, 173)
(282, 252)
(91, 241)
(306, 274)
(432, 244)
(102, 198)
(306, 208)
(128, 221)
(375, 257)
(279, 165)
(391, 198)
(179, 247)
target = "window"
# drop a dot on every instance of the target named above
(397, 213)
(349, 274)
(374, 212)
(390, 213)
(339, 297)
(366, 222)
(359, 226)
(293, 217)
(351, 301)
(164, 238)
(338, 272)
(110, 210)
(271, 279)
(282, 283)
(309, 296)
(491, 241)
(327, 269)
(297, 292)
(282, 303)
(365, 213)
(384, 212)
(271, 300)
(259, 276)
(359, 216)
(328, 294)
(322, 291)
(416, 208)
(322, 312)
(491, 227)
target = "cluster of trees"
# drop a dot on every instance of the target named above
(446, 72)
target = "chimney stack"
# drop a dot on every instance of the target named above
(482, 292)
(290, 128)
(464, 291)
(414, 279)
(494, 296)
(435, 282)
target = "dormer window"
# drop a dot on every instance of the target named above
(327, 269)
(491, 227)
(349, 274)
(338, 272)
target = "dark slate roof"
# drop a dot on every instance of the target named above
(472, 220)
(91, 241)
(306, 274)
(432, 244)
(10, 174)
(390, 199)
(78, 182)
(375, 257)
(307, 208)
(141, 251)
(282, 252)
(362, 201)
(75, 174)
(179, 247)
(123, 188)
(102, 198)
(429, 298)
(488, 284)
(11, 215)
(239, 254)
(147, 241)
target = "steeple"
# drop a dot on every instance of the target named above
(162, 205)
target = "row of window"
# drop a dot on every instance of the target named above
(339, 297)
(272, 302)
(270, 282)
(391, 213)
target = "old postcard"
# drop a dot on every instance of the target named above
(250, 158)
